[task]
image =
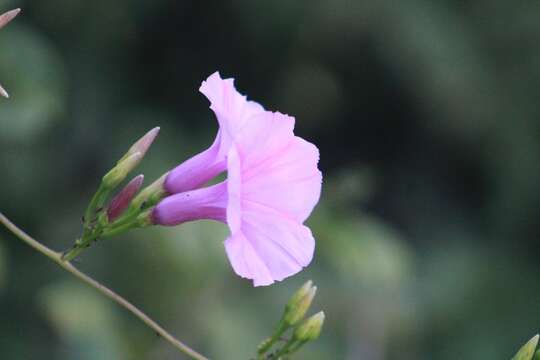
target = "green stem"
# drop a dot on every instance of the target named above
(72, 253)
(286, 349)
(297, 345)
(268, 343)
(97, 201)
(66, 265)
(107, 232)
(83, 243)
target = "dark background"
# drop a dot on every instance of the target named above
(426, 116)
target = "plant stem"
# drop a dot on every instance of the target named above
(66, 265)
(285, 350)
(268, 343)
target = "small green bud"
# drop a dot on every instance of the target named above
(527, 351)
(310, 329)
(150, 195)
(300, 293)
(299, 304)
(117, 174)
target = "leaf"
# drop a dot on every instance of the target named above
(527, 351)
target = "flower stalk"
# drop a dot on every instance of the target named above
(302, 331)
(97, 221)
(57, 258)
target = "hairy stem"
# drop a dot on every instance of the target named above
(66, 265)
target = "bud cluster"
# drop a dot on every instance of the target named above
(126, 209)
(303, 330)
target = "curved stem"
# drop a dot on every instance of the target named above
(66, 265)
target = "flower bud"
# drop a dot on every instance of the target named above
(114, 177)
(6, 17)
(299, 304)
(3, 92)
(150, 195)
(121, 201)
(142, 145)
(310, 329)
(527, 351)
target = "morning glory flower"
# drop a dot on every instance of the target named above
(4, 19)
(272, 186)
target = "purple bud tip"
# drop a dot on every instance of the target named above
(3, 92)
(121, 201)
(144, 143)
(8, 16)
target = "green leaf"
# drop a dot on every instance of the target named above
(527, 351)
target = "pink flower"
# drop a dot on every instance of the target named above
(272, 186)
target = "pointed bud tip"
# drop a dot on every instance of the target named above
(299, 304)
(308, 284)
(138, 179)
(311, 328)
(4, 93)
(526, 352)
(6, 17)
(320, 315)
(144, 143)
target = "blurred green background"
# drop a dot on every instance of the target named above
(426, 114)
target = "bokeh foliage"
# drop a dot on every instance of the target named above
(426, 116)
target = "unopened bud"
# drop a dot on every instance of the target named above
(121, 201)
(150, 195)
(310, 329)
(3, 92)
(299, 304)
(142, 145)
(527, 351)
(300, 293)
(114, 177)
(6, 17)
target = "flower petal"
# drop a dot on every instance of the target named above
(245, 261)
(279, 170)
(269, 246)
(268, 241)
(289, 183)
(232, 109)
